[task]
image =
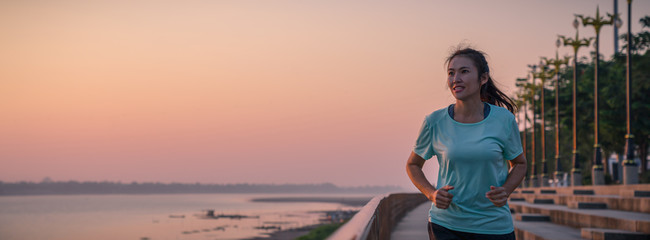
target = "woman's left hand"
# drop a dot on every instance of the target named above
(497, 196)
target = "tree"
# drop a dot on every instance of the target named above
(612, 106)
(640, 41)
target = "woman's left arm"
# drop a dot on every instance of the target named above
(499, 195)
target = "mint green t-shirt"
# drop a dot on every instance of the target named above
(472, 157)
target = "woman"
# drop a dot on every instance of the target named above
(472, 140)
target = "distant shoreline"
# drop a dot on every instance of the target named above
(100, 188)
(270, 199)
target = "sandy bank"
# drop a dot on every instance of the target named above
(349, 201)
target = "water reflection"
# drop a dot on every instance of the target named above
(154, 217)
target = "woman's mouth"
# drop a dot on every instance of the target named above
(458, 89)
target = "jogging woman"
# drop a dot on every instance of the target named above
(474, 140)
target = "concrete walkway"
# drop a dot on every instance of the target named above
(414, 224)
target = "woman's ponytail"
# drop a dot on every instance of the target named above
(492, 95)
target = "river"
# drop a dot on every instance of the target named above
(154, 217)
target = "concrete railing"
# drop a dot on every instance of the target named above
(378, 217)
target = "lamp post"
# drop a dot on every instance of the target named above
(543, 75)
(576, 43)
(524, 144)
(521, 83)
(533, 169)
(598, 177)
(616, 27)
(630, 168)
(557, 63)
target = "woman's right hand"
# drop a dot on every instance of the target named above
(441, 198)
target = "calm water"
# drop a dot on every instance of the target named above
(148, 216)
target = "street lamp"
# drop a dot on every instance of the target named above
(557, 63)
(598, 177)
(533, 168)
(521, 83)
(576, 43)
(630, 168)
(519, 104)
(543, 75)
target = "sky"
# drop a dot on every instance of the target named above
(250, 91)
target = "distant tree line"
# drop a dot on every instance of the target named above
(75, 187)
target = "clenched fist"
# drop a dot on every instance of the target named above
(441, 198)
(497, 196)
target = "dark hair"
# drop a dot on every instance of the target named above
(489, 91)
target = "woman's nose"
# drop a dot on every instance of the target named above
(455, 78)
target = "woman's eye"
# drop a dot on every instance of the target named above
(450, 73)
(465, 71)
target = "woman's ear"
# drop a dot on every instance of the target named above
(484, 78)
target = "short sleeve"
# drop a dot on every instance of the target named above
(512, 143)
(423, 145)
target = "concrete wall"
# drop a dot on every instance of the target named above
(377, 219)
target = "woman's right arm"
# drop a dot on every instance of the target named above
(440, 197)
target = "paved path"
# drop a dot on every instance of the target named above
(413, 225)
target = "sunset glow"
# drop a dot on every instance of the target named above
(248, 91)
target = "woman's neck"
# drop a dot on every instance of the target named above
(468, 111)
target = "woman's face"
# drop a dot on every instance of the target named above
(463, 78)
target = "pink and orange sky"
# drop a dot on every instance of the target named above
(249, 91)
